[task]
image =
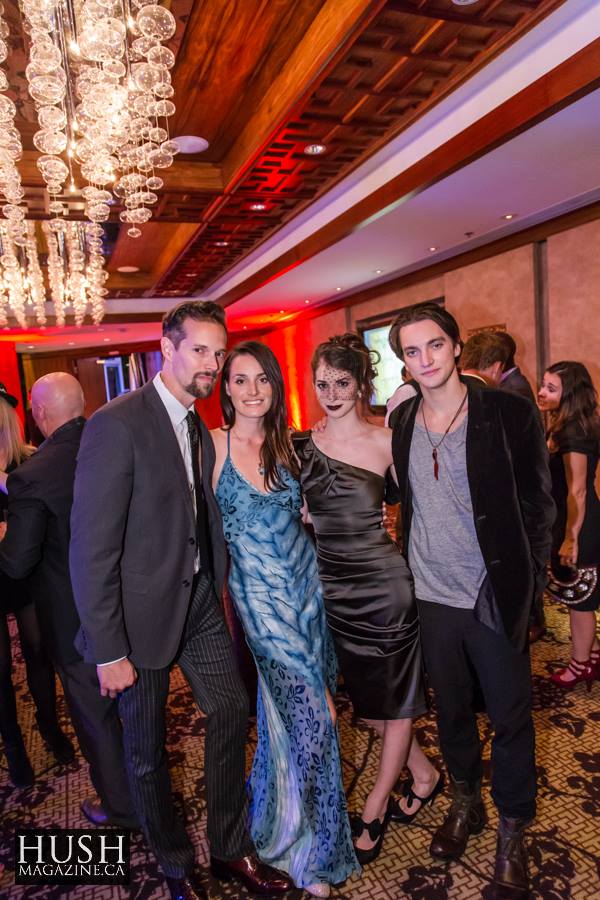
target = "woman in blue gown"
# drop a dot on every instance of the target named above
(298, 813)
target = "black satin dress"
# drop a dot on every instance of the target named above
(367, 586)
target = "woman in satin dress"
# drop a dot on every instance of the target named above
(367, 586)
(298, 815)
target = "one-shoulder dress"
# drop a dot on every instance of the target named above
(367, 586)
(298, 813)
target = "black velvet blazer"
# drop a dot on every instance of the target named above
(509, 482)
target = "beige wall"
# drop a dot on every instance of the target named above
(494, 291)
(574, 296)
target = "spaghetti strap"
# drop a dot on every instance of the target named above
(228, 436)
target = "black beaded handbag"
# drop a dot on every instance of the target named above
(575, 587)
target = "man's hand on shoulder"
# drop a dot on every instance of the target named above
(116, 677)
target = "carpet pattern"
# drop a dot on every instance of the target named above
(564, 840)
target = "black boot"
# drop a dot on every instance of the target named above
(467, 816)
(511, 876)
(19, 767)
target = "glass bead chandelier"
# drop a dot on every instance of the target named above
(100, 78)
(76, 273)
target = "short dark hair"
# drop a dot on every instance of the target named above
(483, 350)
(511, 349)
(420, 313)
(199, 310)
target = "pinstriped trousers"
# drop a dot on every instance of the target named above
(207, 660)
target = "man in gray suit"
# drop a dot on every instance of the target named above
(147, 565)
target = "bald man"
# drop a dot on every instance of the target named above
(36, 547)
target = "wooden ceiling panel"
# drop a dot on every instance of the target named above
(406, 58)
(232, 51)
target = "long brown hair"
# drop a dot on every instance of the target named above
(13, 448)
(578, 402)
(277, 446)
(349, 353)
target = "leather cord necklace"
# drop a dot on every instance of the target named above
(434, 450)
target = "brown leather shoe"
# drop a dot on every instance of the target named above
(467, 816)
(96, 813)
(511, 876)
(187, 888)
(257, 877)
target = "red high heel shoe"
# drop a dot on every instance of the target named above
(582, 671)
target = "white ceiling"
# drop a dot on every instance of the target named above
(543, 172)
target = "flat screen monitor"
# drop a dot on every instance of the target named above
(389, 368)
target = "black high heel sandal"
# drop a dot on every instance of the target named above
(398, 815)
(376, 831)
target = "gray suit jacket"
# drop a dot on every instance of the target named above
(133, 530)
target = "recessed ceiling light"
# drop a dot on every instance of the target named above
(71, 343)
(245, 327)
(464, 2)
(378, 271)
(127, 269)
(338, 289)
(509, 216)
(31, 346)
(281, 311)
(432, 249)
(258, 207)
(106, 339)
(314, 149)
(307, 301)
(191, 143)
(221, 243)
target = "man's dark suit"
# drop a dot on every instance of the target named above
(516, 383)
(36, 547)
(133, 551)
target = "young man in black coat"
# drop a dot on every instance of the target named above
(36, 547)
(472, 468)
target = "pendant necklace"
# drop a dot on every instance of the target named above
(434, 450)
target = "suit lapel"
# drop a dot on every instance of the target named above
(405, 426)
(478, 434)
(167, 440)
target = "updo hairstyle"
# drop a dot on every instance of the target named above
(350, 353)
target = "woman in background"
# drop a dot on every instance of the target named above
(298, 819)
(15, 598)
(569, 399)
(368, 588)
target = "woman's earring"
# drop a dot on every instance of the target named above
(359, 395)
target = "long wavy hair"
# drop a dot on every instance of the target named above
(578, 402)
(13, 448)
(349, 353)
(277, 446)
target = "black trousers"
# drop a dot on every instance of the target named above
(456, 645)
(98, 729)
(39, 671)
(207, 660)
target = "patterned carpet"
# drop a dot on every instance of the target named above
(564, 840)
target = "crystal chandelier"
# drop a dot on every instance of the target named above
(76, 273)
(100, 78)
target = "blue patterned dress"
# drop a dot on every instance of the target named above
(298, 814)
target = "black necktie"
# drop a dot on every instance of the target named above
(202, 529)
